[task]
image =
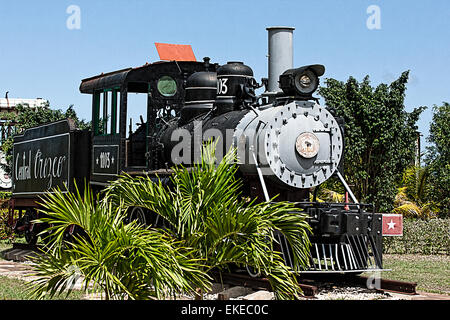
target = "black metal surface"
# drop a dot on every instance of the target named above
(196, 128)
(163, 109)
(105, 155)
(104, 81)
(343, 240)
(201, 90)
(289, 80)
(234, 83)
(201, 87)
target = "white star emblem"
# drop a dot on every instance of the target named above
(96, 161)
(391, 224)
(112, 160)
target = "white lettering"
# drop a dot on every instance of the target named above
(193, 310)
(44, 168)
(222, 87)
(23, 172)
(105, 162)
(243, 309)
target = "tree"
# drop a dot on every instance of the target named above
(438, 158)
(204, 211)
(27, 117)
(120, 260)
(379, 135)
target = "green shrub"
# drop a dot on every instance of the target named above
(421, 237)
(6, 232)
(5, 195)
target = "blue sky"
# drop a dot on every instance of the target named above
(41, 57)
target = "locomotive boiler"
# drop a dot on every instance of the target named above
(286, 143)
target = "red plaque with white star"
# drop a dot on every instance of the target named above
(392, 224)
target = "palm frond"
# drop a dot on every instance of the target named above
(331, 195)
(205, 208)
(408, 209)
(120, 260)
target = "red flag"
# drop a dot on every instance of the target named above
(177, 52)
(392, 224)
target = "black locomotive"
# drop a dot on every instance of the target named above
(286, 144)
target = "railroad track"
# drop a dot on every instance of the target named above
(26, 246)
(20, 252)
(310, 287)
(238, 279)
(396, 286)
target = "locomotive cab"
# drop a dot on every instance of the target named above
(129, 107)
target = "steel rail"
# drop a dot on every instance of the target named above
(260, 283)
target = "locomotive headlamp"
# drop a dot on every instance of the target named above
(301, 81)
(305, 81)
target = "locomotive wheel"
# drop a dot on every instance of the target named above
(30, 237)
(252, 272)
(45, 239)
(46, 236)
(138, 214)
(158, 222)
(30, 232)
(146, 217)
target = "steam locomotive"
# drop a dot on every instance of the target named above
(286, 144)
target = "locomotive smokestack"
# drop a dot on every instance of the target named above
(280, 55)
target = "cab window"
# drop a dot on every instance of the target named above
(105, 119)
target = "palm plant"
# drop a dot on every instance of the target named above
(330, 195)
(121, 261)
(330, 191)
(205, 211)
(411, 198)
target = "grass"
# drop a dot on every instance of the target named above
(431, 272)
(4, 245)
(8, 244)
(15, 289)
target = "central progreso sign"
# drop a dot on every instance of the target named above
(42, 159)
